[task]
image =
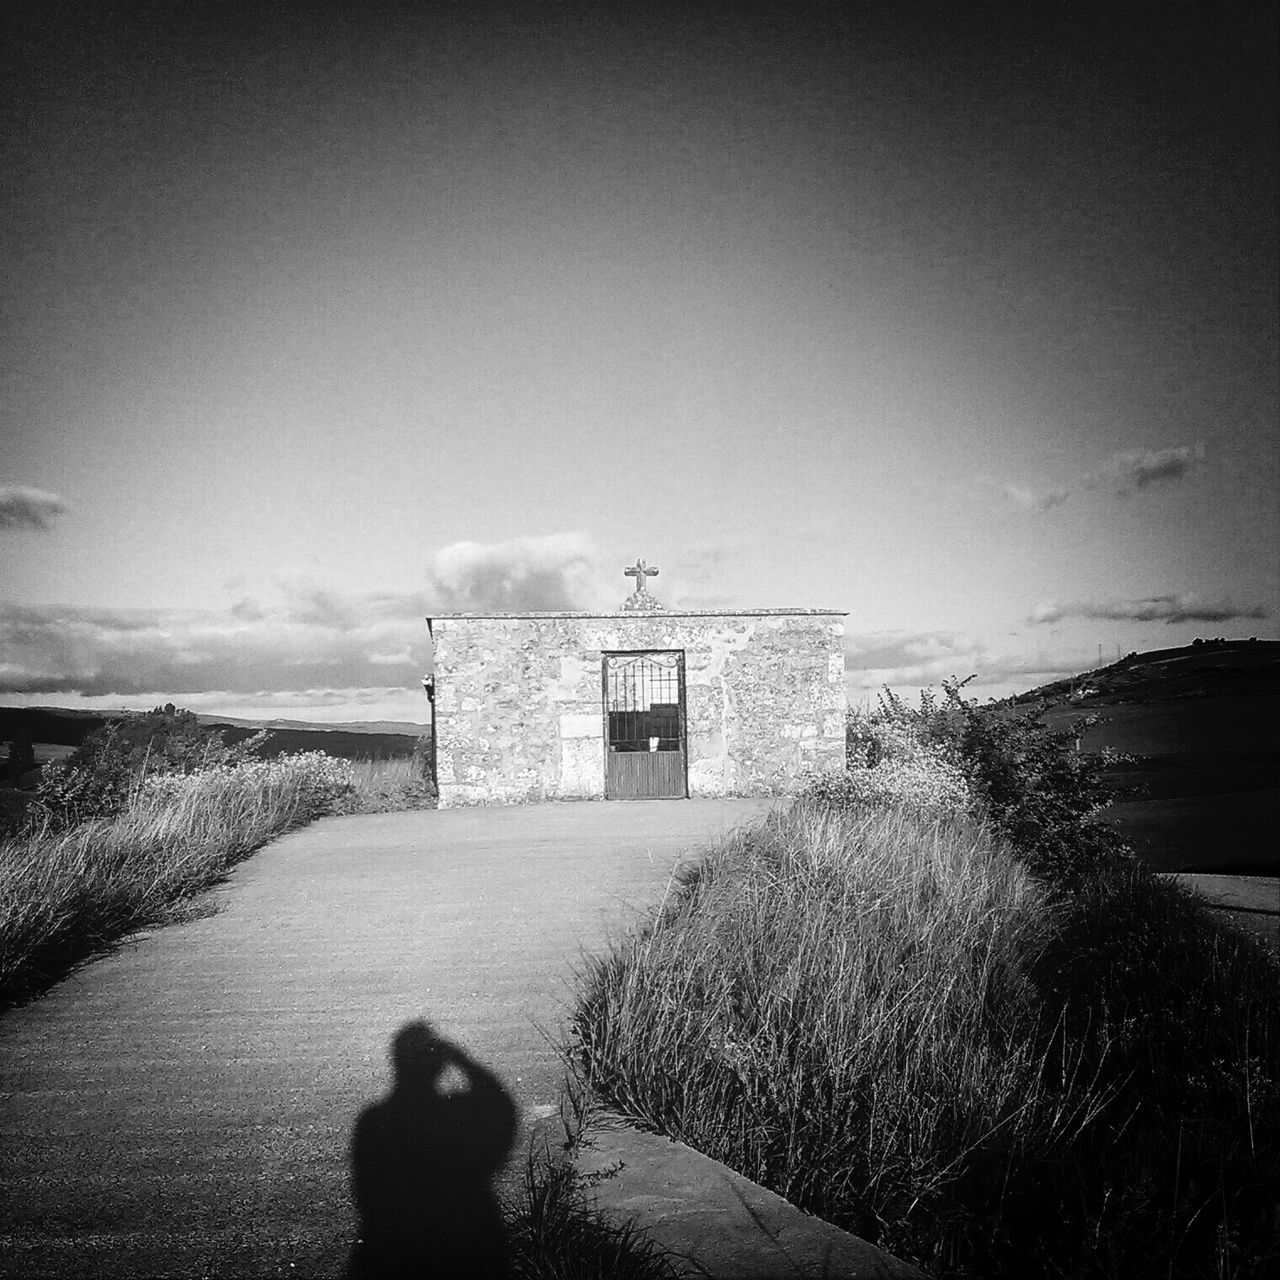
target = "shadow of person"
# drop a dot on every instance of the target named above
(423, 1161)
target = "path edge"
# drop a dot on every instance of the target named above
(719, 1223)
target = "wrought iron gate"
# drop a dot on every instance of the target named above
(645, 732)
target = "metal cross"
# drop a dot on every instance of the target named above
(640, 571)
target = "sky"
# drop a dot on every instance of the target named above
(316, 320)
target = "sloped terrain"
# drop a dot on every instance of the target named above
(1200, 727)
(377, 740)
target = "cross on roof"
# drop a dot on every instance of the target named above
(640, 597)
(640, 571)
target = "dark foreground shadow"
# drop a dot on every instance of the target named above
(423, 1161)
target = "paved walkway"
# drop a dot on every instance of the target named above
(1251, 903)
(186, 1105)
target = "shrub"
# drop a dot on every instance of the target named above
(97, 778)
(1038, 792)
(891, 762)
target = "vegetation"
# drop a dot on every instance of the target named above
(98, 778)
(556, 1232)
(959, 1020)
(1037, 792)
(143, 818)
(148, 813)
(388, 786)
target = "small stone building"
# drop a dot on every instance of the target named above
(641, 703)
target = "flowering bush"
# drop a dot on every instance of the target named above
(101, 775)
(317, 783)
(1041, 794)
(891, 762)
(68, 794)
(951, 754)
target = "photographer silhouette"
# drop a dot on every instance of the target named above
(423, 1163)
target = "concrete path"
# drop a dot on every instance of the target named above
(186, 1105)
(696, 1208)
(1251, 903)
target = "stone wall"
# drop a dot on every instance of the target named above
(519, 708)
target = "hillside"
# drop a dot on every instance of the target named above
(379, 740)
(1200, 726)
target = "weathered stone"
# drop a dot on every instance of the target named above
(519, 699)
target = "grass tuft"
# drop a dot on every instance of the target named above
(556, 1231)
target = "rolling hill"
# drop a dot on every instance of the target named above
(1200, 727)
(378, 740)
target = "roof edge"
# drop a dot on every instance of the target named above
(656, 614)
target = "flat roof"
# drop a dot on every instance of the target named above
(656, 614)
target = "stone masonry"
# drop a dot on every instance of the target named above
(519, 713)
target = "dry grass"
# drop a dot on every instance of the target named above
(859, 1010)
(387, 786)
(66, 895)
(839, 1007)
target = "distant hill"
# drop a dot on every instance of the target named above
(1201, 728)
(1208, 668)
(396, 728)
(377, 740)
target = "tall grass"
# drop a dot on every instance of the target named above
(390, 785)
(1185, 1178)
(883, 1016)
(839, 1006)
(66, 894)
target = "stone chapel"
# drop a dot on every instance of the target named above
(641, 703)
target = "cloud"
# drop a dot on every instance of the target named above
(1186, 607)
(898, 648)
(1026, 500)
(558, 571)
(1135, 469)
(1123, 473)
(924, 658)
(298, 638)
(25, 508)
(400, 658)
(294, 636)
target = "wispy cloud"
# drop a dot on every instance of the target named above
(22, 507)
(294, 636)
(708, 574)
(557, 571)
(917, 659)
(1122, 474)
(1027, 500)
(1185, 607)
(298, 638)
(1135, 469)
